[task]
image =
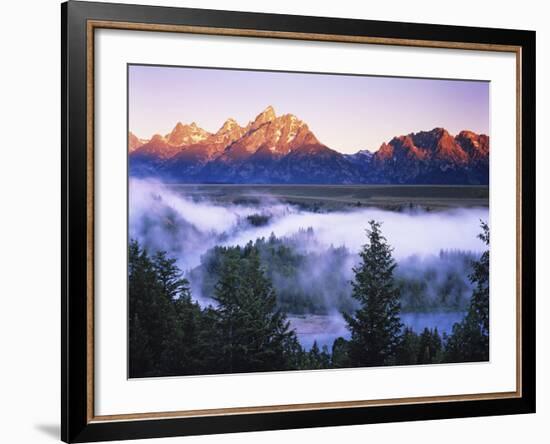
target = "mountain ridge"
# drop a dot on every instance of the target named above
(282, 149)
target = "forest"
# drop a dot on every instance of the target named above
(317, 282)
(245, 328)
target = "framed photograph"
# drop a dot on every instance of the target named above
(275, 221)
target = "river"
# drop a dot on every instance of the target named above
(326, 328)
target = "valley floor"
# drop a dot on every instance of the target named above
(338, 197)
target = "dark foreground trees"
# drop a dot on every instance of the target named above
(469, 340)
(375, 327)
(251, 334)
(377, 335)
(164, 323)
(246, 331)
(171, 335)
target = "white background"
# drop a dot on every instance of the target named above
(115, 394)
(29, 234)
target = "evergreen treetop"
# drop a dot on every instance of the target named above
(375, 327)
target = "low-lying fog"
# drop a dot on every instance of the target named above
(163, 219)
(427, 244)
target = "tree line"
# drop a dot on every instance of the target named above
(318, 280)
(170, 334)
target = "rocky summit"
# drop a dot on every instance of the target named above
(282, 149)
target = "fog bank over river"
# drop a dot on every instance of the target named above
(433, 250)
(186, 227)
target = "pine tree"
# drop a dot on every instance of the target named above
(167, 329)
(469, 340)
(407, 352)
(340, 353)
(375, 327)
(480, 278)
(253, 334)
(152, 318)
(227, 292)
(318, 358)
(140, 351)
(170, 277)
(175, 288)
(429, 347)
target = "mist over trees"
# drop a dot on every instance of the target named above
(245, 328)
(305, 281)
(318, 280)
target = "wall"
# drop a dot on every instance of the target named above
(29, 220)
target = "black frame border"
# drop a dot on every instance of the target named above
(75, 425)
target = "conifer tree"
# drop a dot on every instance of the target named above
(318, 358)
(480, 278)
(170, 277)
(227, 291)
(375, 327)
(429, 347)
(183, 352)
(152, 319)
(407, 352)
(469, 340)
(254, 334)
(340, 353)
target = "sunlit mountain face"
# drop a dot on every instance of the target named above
(274, 149)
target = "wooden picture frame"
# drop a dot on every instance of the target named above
(80, 20)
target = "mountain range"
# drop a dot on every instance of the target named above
(282, 149)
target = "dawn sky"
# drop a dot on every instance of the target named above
(346, 113)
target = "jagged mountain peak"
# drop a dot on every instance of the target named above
(271, 136)
(440, 144)
(469, 134)
(476, 145)
(268, 111)
(434, 156)
(440, 131)
(282, 149)
(228, 125)
(134, 142)
(186, 134)
(267, 115)
(157, 138)
(157, 147)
